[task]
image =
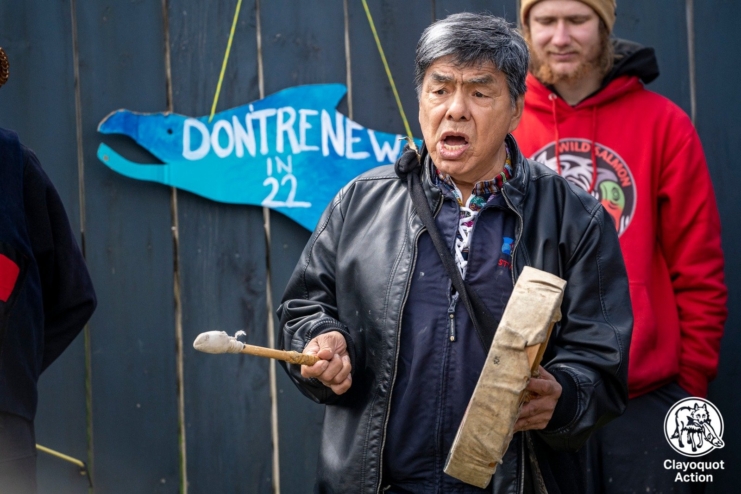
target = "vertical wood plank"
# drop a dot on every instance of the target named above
(718, 109)
(129, 251)
(38, 103)
(660, 24)
(302, 43)
(222, 265)
(399, 26)
(503, 8)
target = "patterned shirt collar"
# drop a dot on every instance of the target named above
(483, 189)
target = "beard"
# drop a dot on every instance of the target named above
(602, 61)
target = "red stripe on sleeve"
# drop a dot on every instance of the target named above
(8, 276)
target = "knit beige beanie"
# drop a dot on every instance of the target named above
(604, 8)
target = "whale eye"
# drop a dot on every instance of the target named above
(169, 131)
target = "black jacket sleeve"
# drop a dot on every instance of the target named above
(67, 291)
(309, 306)
(589, 357)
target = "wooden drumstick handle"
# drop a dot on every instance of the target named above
(290, 357)
(219, 342)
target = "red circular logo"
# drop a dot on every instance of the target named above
(613, 187)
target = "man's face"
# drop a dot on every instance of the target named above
(564, 38)
(465, 114)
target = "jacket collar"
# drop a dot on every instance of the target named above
(432, 191)
(516, 188)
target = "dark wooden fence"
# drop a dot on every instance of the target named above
(131, 397)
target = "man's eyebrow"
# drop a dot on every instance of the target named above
(570, 18)
(479, 80)
(437, 77)
(578, 17)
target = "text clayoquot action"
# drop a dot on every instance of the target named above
(694, 465)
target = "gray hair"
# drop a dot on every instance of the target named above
(474, 39)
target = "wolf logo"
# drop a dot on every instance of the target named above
(693, 425)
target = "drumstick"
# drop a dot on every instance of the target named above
(220, 342)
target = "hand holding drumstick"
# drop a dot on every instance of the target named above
(324, 358)
(333, 370)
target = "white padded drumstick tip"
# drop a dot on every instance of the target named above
(217, 342)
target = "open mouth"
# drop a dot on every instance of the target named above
(454, 141)
(452, 145)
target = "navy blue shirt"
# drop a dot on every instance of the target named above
(435, 377)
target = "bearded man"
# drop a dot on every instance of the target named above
(588, 117)
(400, 356)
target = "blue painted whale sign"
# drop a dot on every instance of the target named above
(291, 151)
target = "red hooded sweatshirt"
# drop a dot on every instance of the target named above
(652, 178)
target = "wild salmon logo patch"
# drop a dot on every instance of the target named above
(613, 185)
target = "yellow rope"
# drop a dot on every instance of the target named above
(84, 470)
(226, 57)
(62, 456)
(388, 72)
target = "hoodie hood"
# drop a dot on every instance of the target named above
(632, 59)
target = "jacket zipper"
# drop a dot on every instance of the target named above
(453, 297)
(518, 236)
(451, 316)
(521, 487)
(396, 357)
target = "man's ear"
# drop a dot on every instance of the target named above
(517, 115)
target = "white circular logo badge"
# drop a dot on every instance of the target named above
(694, 427)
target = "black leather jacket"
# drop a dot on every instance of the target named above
(354, 277)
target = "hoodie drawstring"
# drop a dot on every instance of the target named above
(594, 149)
(553, 97)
